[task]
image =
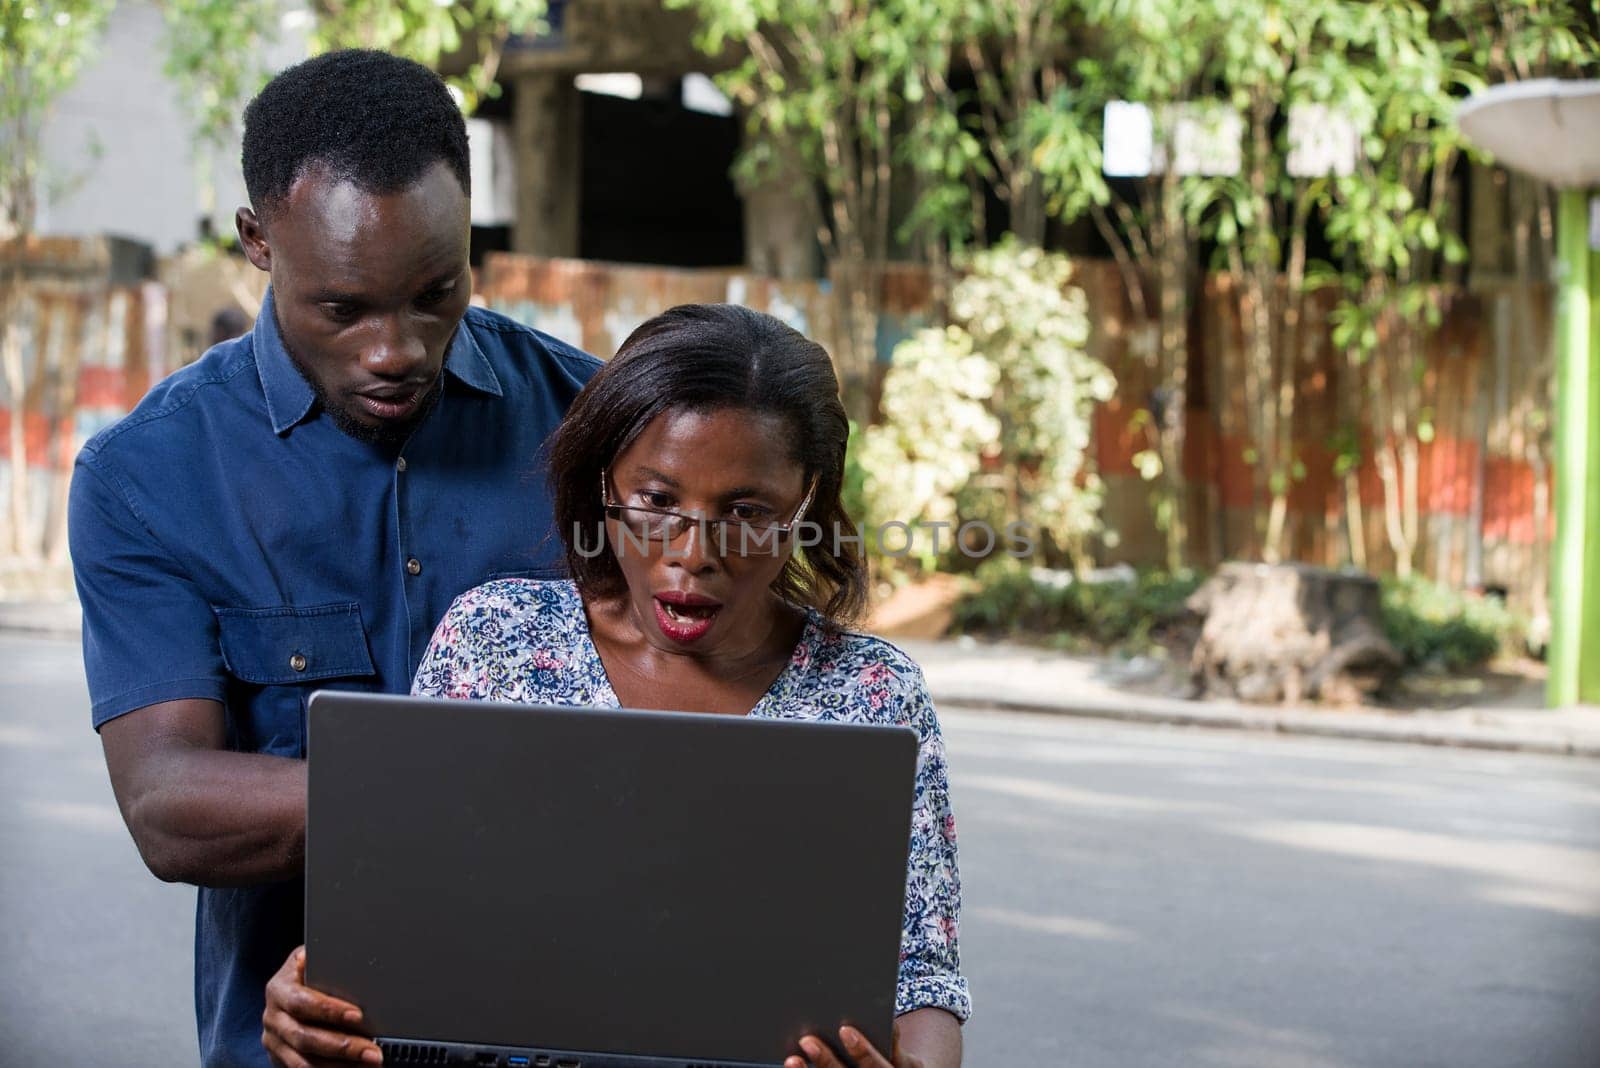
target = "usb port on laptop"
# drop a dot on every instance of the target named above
(515, 1061)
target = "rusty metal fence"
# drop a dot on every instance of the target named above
(88, 350)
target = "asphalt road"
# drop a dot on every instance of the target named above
(1134, 896)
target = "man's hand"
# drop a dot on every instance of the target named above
(305, 1028)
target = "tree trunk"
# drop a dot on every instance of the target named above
(1173, 348)
(17, 443)
(1289, 633)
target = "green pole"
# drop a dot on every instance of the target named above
(1589, 638)
(1570, 595)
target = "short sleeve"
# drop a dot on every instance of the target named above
(930, 954)
(513, 640)
(453, 665)
(148, 634)
(487, 646)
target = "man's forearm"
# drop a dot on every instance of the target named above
(219, 818)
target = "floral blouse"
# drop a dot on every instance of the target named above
(528, 641)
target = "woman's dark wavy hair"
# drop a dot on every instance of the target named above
(701, 357)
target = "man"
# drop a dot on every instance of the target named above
(297, 509)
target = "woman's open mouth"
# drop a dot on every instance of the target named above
(683, 617)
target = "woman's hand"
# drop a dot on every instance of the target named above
(922, 1038)
(305, 1028)
(818, 1055)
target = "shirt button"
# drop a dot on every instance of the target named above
(297, 662)
(414, 566)
(400, 465)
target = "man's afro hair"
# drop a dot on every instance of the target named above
(370, 118)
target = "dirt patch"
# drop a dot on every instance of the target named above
(1504, 684)
(921, 610)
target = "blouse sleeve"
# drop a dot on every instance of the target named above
(457, 663)
(930, 954)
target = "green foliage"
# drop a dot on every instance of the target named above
(1390, 221)
(989, 417)
(853, 487)
(1146, 51)
(1397, 69)
(1404, 98)
(1434, 624)
(215, 56)
(215, 47)
(1428, 623)
(947, 155)
(936, 426)
(821, 78)
(427, 30)
(1514, 40)
(963, 145)
(216, 51)
(1010, 598)
(1066, 131)
(827, 85)
(1022, 315)
(824, 85)
(43, 45)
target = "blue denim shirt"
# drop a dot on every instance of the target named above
(230, 543)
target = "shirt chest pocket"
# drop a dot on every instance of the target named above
(278, 656)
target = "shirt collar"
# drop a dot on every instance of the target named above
(468, 363)
(290, 397)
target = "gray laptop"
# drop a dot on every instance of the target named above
(584, 888)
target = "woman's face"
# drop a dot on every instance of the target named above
(690, 596)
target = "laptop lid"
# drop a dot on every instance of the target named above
(678, 888)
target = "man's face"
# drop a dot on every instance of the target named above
(369, 289)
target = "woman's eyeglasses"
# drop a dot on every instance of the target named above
(732, 537)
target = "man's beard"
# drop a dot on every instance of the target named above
(388, 435)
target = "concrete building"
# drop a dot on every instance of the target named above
(119, 153)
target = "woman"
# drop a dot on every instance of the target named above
(684, 475)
